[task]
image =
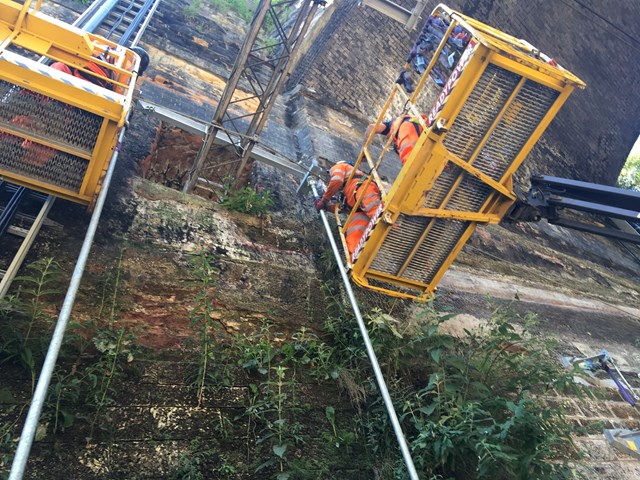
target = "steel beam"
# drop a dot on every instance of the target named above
(602, 231)
(409, 18)
(197, 127)
(589, 192)
(260, 87)
(11, 272)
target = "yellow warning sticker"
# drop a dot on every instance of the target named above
(632, 445)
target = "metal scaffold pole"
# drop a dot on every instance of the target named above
(397, 428)
(39, 396)
(255, 81)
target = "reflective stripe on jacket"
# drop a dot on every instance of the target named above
(408, 130)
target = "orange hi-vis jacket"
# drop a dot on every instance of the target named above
(408, 130)
(353, 189)
(96, 69)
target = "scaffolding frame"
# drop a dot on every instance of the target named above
(243, 109)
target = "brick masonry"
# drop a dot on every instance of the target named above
(359, 52)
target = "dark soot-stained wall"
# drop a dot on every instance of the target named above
(359, 52)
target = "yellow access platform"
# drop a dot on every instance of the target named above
(59, 119)
(498, 95)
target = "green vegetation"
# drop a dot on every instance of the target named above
(95, 355)
(246, 200)
(630, 175)
(244, 8)
(295, 405)
(202, 321)
(24, 341)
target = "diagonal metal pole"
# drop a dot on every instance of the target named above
(39, 396)
(227, 95)
(292, 44)
(382, 386)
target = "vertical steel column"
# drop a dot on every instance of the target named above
(227, 95)
(264, 94)
(397, 428)
(291, 45)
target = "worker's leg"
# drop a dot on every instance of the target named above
(355, 229)
(370, 199)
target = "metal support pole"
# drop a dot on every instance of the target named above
(284, 66)
(11, 272)
(227, 95)
(96, 19)
(413, 475)
(31, 424)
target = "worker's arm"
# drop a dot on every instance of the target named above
(335, 185)
(383, 129)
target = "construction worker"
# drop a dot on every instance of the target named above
(352, 190)
(407, 131)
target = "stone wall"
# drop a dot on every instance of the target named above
(359, 53)
(354, 59)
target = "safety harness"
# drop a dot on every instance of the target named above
(416, 125)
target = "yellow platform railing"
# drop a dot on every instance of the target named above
(59, 130)
(498, 99)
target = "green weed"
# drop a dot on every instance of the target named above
(203, 323)
(191, 463)
(246, 200)
(29, 318)
(191, 10)
(471, 407)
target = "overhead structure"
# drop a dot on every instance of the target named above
(409, 18)
(260, 70)
(59, 116)
(497, 96)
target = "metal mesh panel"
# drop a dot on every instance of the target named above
(435, 249)
(41, 163)
(28, 112)
(485, 102)
(374, 282)
(398, 243)
(514, 129)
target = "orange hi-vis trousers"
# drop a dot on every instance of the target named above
(370, 196)
(355, 229)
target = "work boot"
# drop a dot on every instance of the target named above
(404, 79)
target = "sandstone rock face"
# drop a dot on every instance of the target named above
(358, 54)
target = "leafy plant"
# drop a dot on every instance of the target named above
(630, 175)
(480, 413)
(202, 319)
(246, 200)
(25, 338)
(276, 363)
(244, 8)
(192, 9)
(190, 464)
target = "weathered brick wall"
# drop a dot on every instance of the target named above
(354, 59)
(359, 53)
